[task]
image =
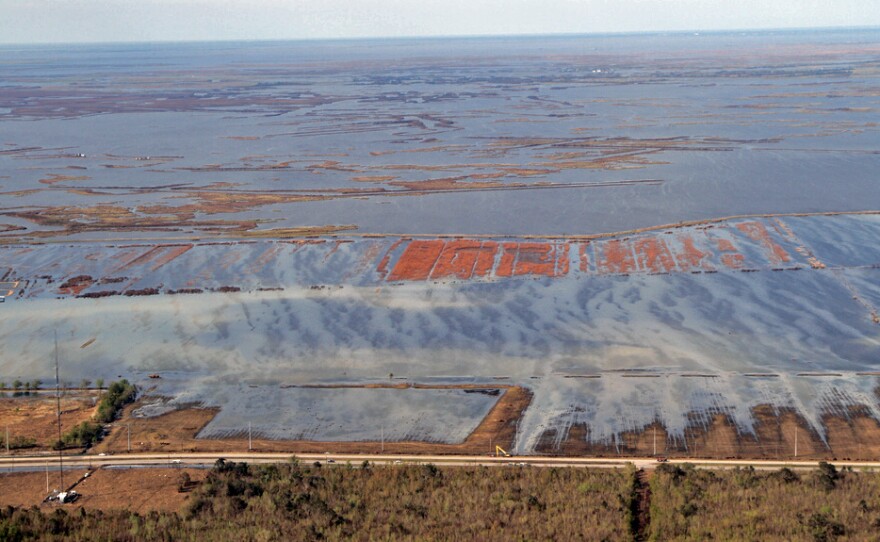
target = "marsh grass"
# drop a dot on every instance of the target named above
(744, 504)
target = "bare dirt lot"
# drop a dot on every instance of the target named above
(29, 488)
(139, 490)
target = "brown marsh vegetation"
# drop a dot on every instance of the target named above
(403, 502)
(744, 504)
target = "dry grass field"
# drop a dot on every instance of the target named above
(35, 416)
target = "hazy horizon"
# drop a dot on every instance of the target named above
(711, 31)
(106, 21)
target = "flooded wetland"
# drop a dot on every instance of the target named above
(591, 243)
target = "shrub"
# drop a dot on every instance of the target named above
(827, 476)
(184, 482)
(20, 442)
(117, 396)
(823, 529)
(788, 476)
(84, 434)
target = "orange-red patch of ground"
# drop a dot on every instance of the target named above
(562, 259)
(616, 257)
(536, 259)
(485, 259)
(457, 259)
(726, 246)
(732, 258)
(469, 258)
(383, 265)
(653, 255)
(691, 257)
(758, 232)
(733, 261)
(584, 257)
(508, 257)
(417, 260)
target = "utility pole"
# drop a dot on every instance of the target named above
(383, 438)
(795, 440)
(250, 440)
(655, 439)
(58, 405)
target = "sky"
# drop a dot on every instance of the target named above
(67, 21)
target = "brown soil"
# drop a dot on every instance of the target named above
(138, 490)
(176, 431)
(214, 202)
(373, 178)
(103, 218)
(54, 178)
(856, 437)
(450, 183)
(172, 431)
(75, 285)
(35, 416)
(29, 488)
